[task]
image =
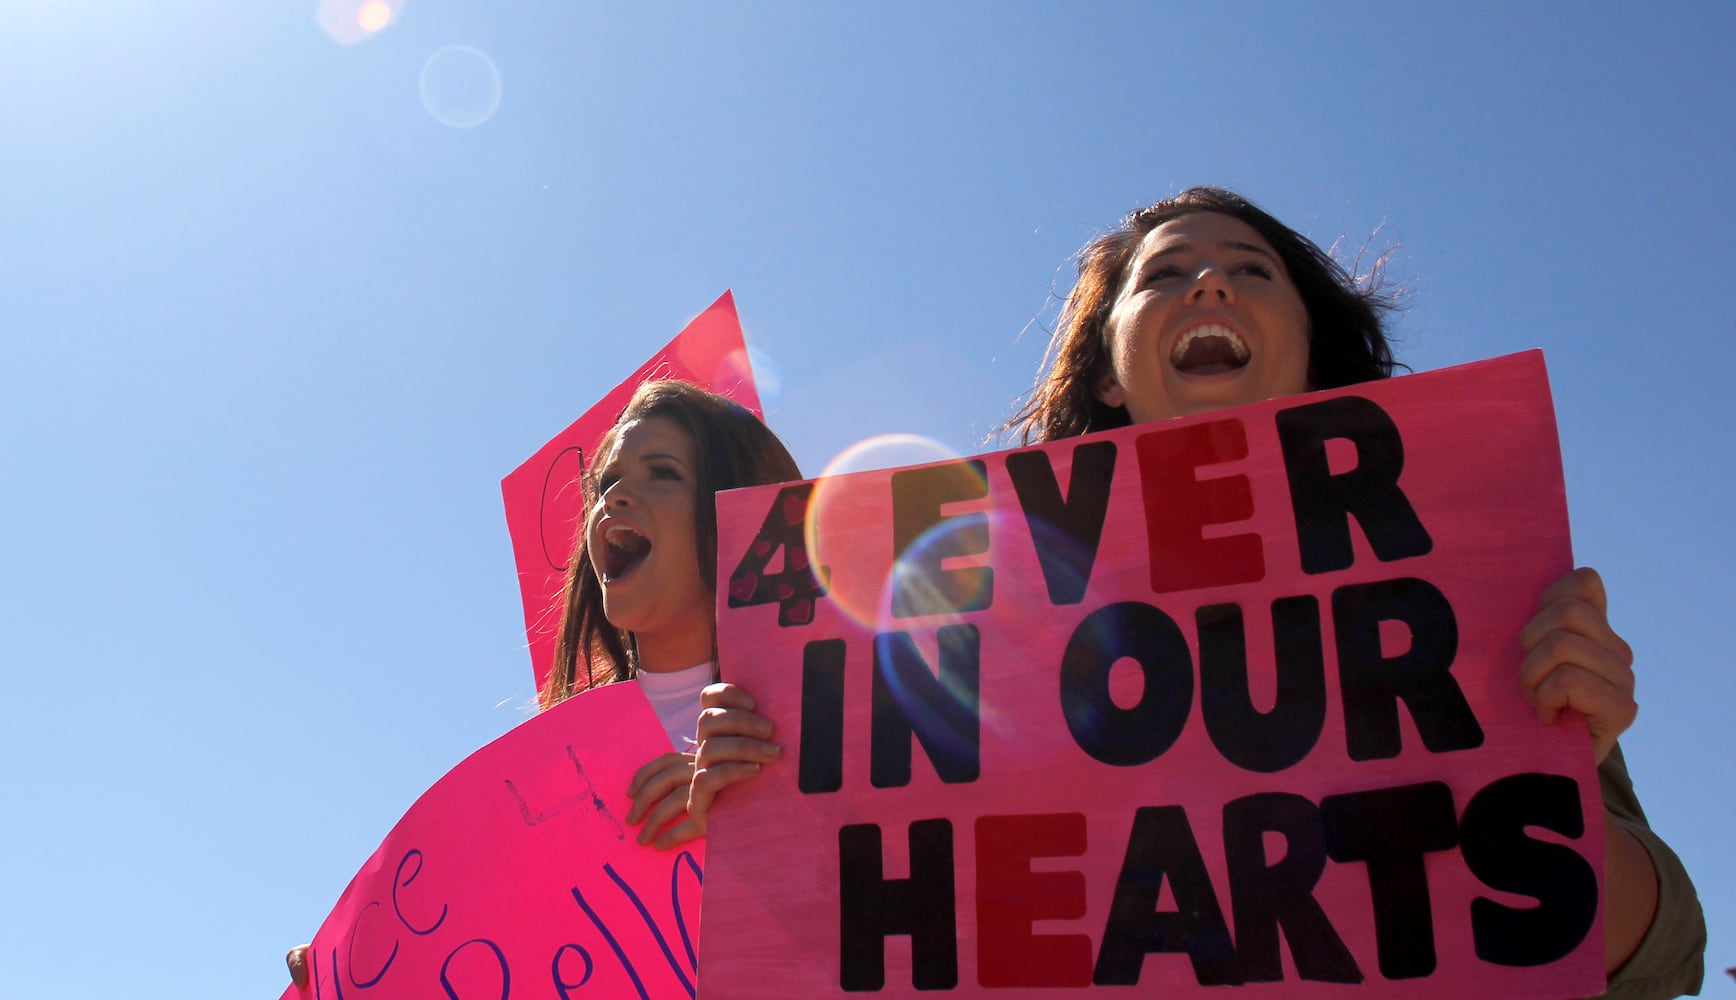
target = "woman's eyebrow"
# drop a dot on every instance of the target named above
(1227, 245)
(652, 456)
(1251, 248)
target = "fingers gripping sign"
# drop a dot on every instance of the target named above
(1575, 661)
(734, 741)
(659, 793)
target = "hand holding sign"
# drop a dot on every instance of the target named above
(518, 867)
(651, 464)
(734, 741)
(1574, 660)
(659, 791)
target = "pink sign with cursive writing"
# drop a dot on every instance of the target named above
(515, 875)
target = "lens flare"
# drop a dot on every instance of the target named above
(888, 451)
(767, 378)
(729, 373)
(921, 601)
(832, 528)
(955, 592)
(910, 592)
(350, 21)
(374, 15)
(460, 86)
(938, 689)
(942, 572)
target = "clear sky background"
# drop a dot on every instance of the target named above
(272, 327)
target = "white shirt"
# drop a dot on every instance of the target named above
(675, 696)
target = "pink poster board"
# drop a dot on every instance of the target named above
(1223, 701)
(515, 875)
(543, 496)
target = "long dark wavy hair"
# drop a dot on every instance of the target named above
(732, 448)
(1347, 341)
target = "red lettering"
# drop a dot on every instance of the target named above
(1179, 505)
(1010, 897)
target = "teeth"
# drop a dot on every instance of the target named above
(622, 537)
(1212, 330)
(622, 549)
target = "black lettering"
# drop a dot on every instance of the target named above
(1265, 897)
(1066, 532)
(1372, 685)
(562, 503)
(822, 750)
(1502, 857)
(871, 907)
(1324, 503)
(1162, 846)
(1111, 734)
(941, 712)
(1390, 829)
(1248, 738)
(794, 590)
(922, 539)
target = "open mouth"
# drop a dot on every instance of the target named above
(1212, 349)
(623, 549)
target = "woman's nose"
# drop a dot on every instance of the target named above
(617, 495)
(1211, 281)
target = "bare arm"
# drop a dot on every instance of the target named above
(1575, 661)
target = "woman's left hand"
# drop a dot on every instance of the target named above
(1574, 660)
(659, 791)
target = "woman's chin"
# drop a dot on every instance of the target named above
(1201, 394)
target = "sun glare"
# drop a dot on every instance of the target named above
(350, 21)
(374, 15)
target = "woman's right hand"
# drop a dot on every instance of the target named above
(734, 741)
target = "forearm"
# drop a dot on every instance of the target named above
(1654, 931)
(1631, 893)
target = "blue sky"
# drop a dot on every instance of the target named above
(271, 333)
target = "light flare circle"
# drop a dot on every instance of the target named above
(460, 86)
(834, 513)
(937, 569)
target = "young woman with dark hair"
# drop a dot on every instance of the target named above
(1204, 301)
(640, 590)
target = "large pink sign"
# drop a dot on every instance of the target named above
(515, 875)
(543, 496)
(1230, 700)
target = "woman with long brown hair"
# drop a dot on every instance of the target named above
(639, 600)
(1204, 301)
